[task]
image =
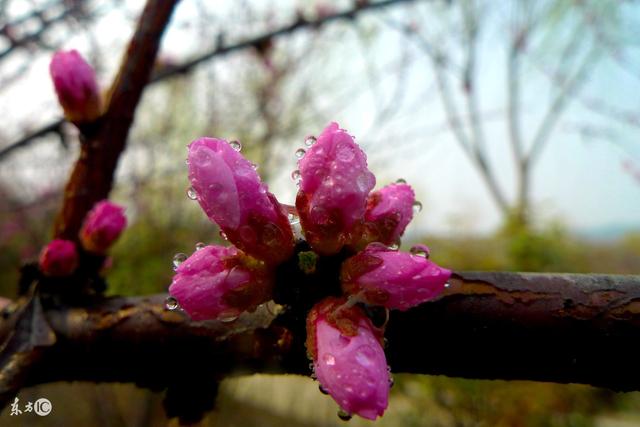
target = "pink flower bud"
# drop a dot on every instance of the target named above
(389, 211)
(220, 282)
(333, 191)
(232, 195)
(348, 358)
(102, 226)
(59, 258)
(395, 280)
(76, 86)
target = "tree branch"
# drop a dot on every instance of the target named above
(92, 176)
(543, 327)
(220, 50)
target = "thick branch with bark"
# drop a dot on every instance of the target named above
(544, 327)
(92, 176)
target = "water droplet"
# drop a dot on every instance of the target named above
(235, 145)
(293, 219)
(392, 382)
(345, 153)
(178, 259)
(401, 181)
(300, 152)
(228, 317)
(200, 245)
(329, 359)
(322, 389)
(420, 250)
(344, 415)
(254, 166)
(394, 246)
(186, 162)
(223, 235)
(271, 235)
(310, 141)
(417, 207)
(191, 193)
(447, 285)
(171, 303)
(295, 175)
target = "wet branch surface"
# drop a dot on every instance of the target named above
(543, 327)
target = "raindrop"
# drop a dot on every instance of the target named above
(186, 162)
(254, 166)
(295, 175)
(171, 303)
(394, 246)
(322, 389)
(229, 317)
(344, 415)
(178, 259)
(329, 359)
(293, 219)
(223, 235)
(447, 285)
(420, 250)
(417, 207)
(300, 152)
(200, 245)
(191, 193)
(392, 382)
(401, 181)
(235, 145)
(310, 141)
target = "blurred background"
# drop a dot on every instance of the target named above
(517, 123)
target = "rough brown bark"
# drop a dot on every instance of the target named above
(544, 327)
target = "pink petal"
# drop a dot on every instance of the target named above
(76, 86)
(351, 367)
(102, 226)
(219, 282)
(395, 280)
(59, 258)
(334, 186)
(232, 195)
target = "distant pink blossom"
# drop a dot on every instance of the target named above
(76, 86)
(334, 186)
(348, 358)
(218, 282)
(232, 195)
(59, 258)
(392, 279)
(102, 226)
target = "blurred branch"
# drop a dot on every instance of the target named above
(223, 49)
(493, 325)
(92, 176)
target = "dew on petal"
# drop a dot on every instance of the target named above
(310, 141)
(417, 207)
(235, 145)
(191, 193)
(178, 259)
(420, 250)
(300, 152)
(171, 303)
(329, 359)
(344, 415)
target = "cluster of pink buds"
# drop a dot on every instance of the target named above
(341, 218)
(76, 86)
(101, 228)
